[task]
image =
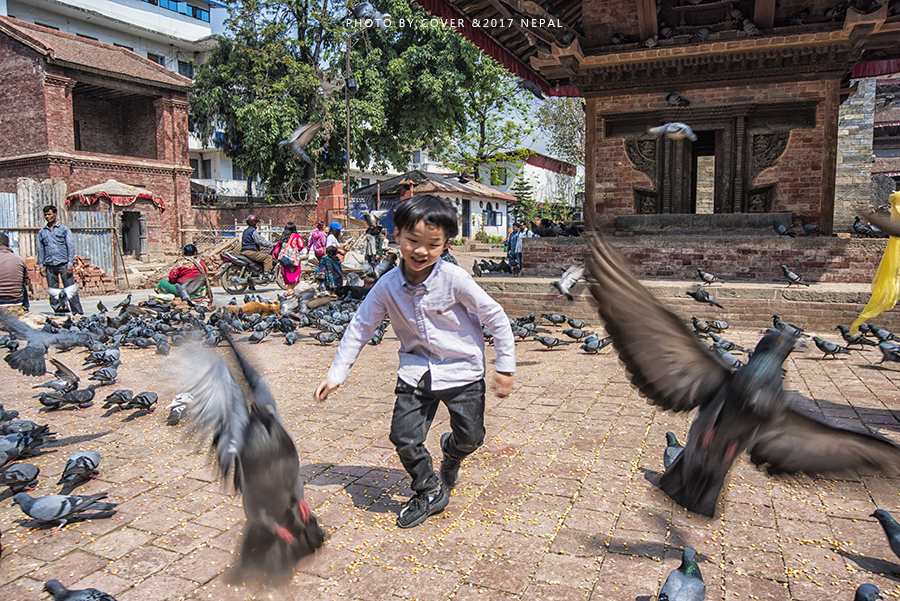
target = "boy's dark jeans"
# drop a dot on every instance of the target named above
(413, 413)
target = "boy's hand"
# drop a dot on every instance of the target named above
(324, 388)
(502, 384)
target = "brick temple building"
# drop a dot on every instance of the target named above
(761, 83)
(81, 112)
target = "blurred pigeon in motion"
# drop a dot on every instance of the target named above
(531, 86)
(299, 140)
(810, 229)
(742, 409)
(673, 449)
(373, 218)
(675, 130)
(19, 477)
(829, 348)
(280, 528)
(891, 529)
(792, 329)
(889, 352)
(708, 278)
(675, 100)
(699, 294)
(30, 360)
(81, 467)
(177, 407)
(59, 297)
(187, 289)
(793, 278)
(365, 10)
(65, 381)
(61, 593)
(569, 277)
(684, 583)
(781, 230)
(61, 508)
(867, 592)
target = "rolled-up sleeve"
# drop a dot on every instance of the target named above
(359, 331)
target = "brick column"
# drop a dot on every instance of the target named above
(171, 130)
(58, 103)
(331, 199)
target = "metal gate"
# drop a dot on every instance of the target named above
(9, 220)
(92, 236)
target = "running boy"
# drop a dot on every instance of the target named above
(434, 308)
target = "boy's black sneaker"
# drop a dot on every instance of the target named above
(449, 467)
(420, 506)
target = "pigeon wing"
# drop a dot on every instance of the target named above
(219, 406)
(63, 372)
(882, 220)
(794, 443)
(261, 394)
(305, 133)
(571, 275)
(666, 361)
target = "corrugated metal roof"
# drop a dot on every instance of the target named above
(424, 182)
(76, 52)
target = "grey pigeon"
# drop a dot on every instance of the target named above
(593, 347)
(124, 303)
(30, 360)
(81, 398)
(549, 342)
(531, 86)
(781, 230)
(106, 375)
(867, 592)
(569, 277)
(555, 318)
(65, 381)
(880, 221)
(750, 28)
(59, 297)
(798, 17)
(836, 12)
(858, 339)
(575, 333)
(708, 278)
(620, 38)
(717, 325)
(142, 401)
(373, 218)
(675, 130)
(727, 359)
(699, 294)
(61, 593)
(248, 434)
(793, 278)
(177, 407)
(810, 229)
(891, 529)
(829, 348)
(863, 230)
(726, 345)
(81, 467)
(700, 326)
(742, 409)
(651, 41)
(673, 449)
(669, 32)
(675, 100)
(700, 35)
(684, 583)
(119, 397)
(19, 477)
(61, 508)
(299, 140)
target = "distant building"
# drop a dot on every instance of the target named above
(552, 180)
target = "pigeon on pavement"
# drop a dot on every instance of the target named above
(684, 583)
(829, 348)
(81, 467)
(891, 529)
(61, 593)
(792, 277)
(61, 508)
(673, 449)
(66, 380)
(858, 339)
(19, 477)
(742, 409)
(248, 433)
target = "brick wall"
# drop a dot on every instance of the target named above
(798, 173)
(219, 217)
(744, 259)
(22, 99)
(115, 127)
(854, 155)
(601, 20)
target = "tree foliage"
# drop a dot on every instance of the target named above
(563, 121)
(526, 207)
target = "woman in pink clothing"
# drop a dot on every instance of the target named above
(317, 240)
(290, 237)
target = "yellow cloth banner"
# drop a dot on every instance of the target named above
(886, 283)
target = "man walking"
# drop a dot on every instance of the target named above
(13, 276)
(56, 256)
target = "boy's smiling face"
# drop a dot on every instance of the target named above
(421, 247)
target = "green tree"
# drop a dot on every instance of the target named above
(526, 206)
(493, 129)
(562, 120)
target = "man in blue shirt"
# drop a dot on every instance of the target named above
(56, 256)
(252, 242)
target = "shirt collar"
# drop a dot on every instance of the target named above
(429, 281)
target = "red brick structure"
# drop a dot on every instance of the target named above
(84, 112)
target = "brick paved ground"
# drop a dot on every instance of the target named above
(556, 504)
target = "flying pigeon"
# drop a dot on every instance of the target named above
(792, 277)
(61, 508)
(699, 294)
(299, 140)
(249, 435)
(781, 230)
(57, 302)
(531, 86)
(569, 277)
(737, 410)
(674, 131)
(673, 449)
(829, 348)
(65, 381)
(30, 360)
(684, 583)
(61, 593)
(81, 467)
(373, 218)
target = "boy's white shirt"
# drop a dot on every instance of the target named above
(438, 323)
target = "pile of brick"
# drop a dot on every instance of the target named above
(90, 278)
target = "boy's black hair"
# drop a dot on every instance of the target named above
(49, 208)
(433, 210)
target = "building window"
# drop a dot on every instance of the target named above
(417, 156)
(207, 169)
(237, 172)
(183, 8)
(185, 68)
(194, 166)
(124, 46)
(87, 37)
(157, 58)
(47, 26)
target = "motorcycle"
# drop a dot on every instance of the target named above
(238, 272)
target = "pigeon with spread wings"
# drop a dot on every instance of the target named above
(30, 360)
(300, 139)
(280, 528)
(737, 410)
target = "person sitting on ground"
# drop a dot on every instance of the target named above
(187, 269)
(436, 310)
(330, 271)
(252, 243)
(291, 273)
(14, 282)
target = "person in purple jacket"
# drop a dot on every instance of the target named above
(437, 311)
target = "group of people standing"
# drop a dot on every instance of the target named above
(517, 233)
